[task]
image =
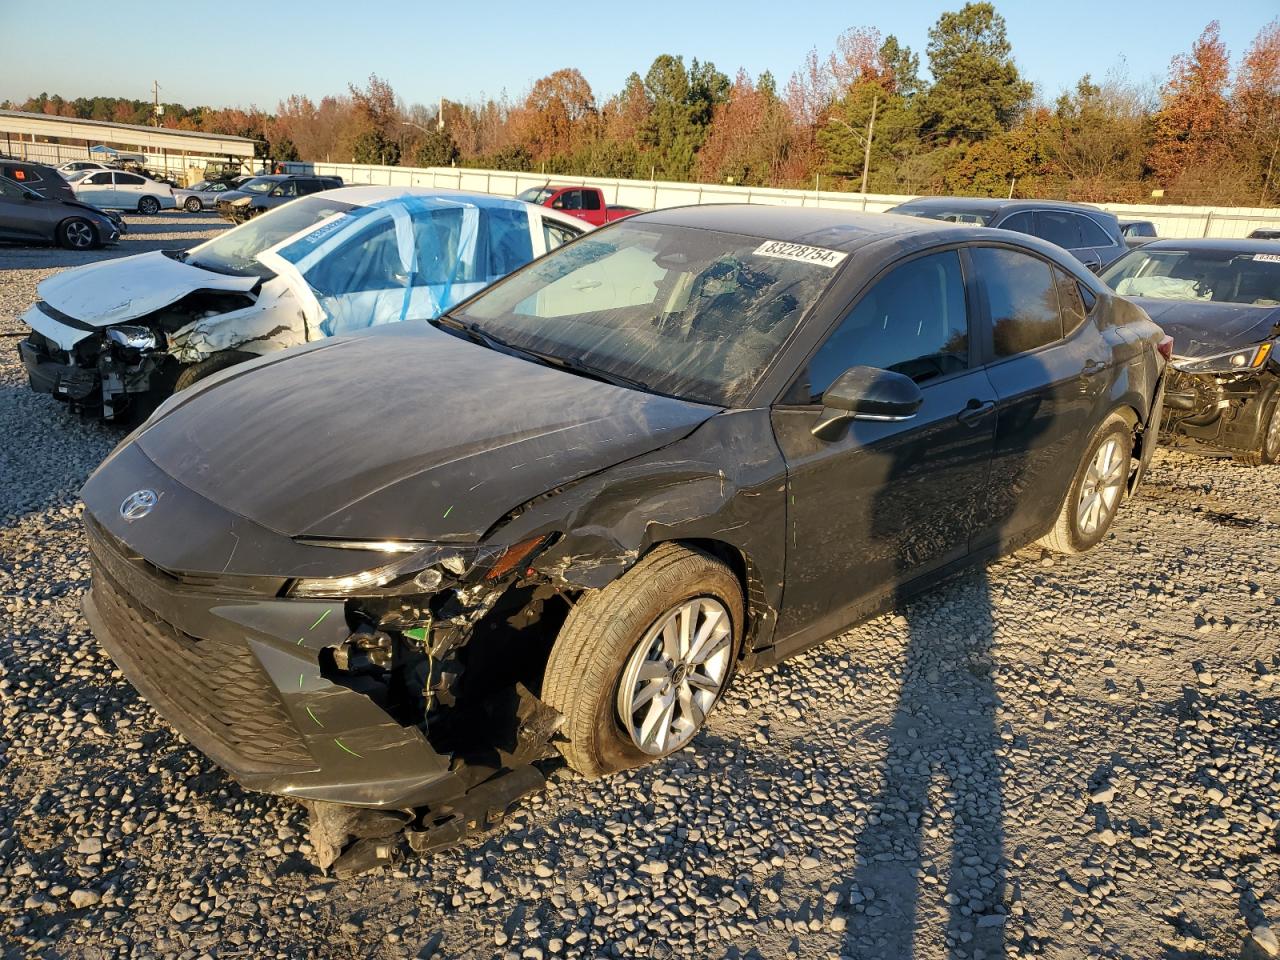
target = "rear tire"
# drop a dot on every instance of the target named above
(148, 206)
(612, 646)
(1096, 491)
(198, 371)
(193, 205)
(77, 233)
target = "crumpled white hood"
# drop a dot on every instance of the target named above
(114, 291)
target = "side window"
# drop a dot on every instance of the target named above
(1092, 234)
(1022, 298)
(1022, 222)
(510, 245)
(572, 199)
(369, 261)
(1070, 302)
(130, 179)
(1058, 227)
(557, 234)
(98, 179)
(590, 199)
(913, 321)
(10, 190)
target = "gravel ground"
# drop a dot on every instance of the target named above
(1061, 758)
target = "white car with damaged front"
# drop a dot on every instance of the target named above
(117, 336)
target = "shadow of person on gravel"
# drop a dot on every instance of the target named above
(930, 874)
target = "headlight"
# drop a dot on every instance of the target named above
(418, 568)
(1236, 361)
(133, 338)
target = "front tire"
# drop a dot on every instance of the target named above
(77, 234)
(193, 205)
(198, 371)
(1096, 491)
(639, 664)
(149, 206)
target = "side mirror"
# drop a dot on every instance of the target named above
(31, 195)
(866, 393)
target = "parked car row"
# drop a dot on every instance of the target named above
(400, 566)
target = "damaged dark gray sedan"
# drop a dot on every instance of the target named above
(1220, 300)
(406, 571)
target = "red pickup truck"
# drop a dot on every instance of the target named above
(585, 203)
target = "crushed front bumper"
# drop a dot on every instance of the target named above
(1219, 411)
(239, 676)
(78, 365)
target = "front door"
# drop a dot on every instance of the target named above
(886, 501)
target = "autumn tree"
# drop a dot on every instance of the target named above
(380, 120)
(1256, 105)
(558, 116)
(1193, 123)
(749, 134)
(977, 91)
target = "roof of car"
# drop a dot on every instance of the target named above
(1227, 244)
(834, 229)
(991, 204)
(376, 194)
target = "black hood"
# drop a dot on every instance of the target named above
(1208, 329)
(401, 433)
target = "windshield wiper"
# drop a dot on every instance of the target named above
(476, 335)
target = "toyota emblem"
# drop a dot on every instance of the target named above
(138, 504)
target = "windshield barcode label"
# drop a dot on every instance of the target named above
(1267, 257)
(801, 253)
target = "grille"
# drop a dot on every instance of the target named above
(214, 692)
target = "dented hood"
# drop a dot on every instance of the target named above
(1206, 329)
(116, 291)
(402, 433)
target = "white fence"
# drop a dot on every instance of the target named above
(1170, 221)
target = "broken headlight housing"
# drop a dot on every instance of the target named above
(132, 337)
(1234, 361)
(417, 567)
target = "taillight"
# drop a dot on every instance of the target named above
(1165, 346)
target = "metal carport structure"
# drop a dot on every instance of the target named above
(17, 128)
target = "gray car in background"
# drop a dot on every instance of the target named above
(27, 217)
(1092, 235)
(260, 194)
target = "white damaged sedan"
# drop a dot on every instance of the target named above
(115, 337)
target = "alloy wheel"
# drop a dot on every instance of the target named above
(675, 674)
(1271, 442)
(79, 235)
(1100, 491)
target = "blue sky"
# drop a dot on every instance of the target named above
(261, 53)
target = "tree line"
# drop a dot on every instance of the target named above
(1210, 133)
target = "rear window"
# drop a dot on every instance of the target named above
(981, 218)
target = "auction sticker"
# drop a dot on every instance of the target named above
(1264, 257)
(781, 250)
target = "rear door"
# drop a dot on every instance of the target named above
(129, 189)
(886, 501)
(1050, 366)
(1100, 244)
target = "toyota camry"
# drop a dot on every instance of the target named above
(396, 574)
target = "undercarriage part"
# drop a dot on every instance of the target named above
(481, 809)
(332, 826)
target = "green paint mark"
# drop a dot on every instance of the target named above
(417, 633)
(300, 639)
(300, 679)
(314, 717)
(447, 512)
(324, 616)
(347, 749)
